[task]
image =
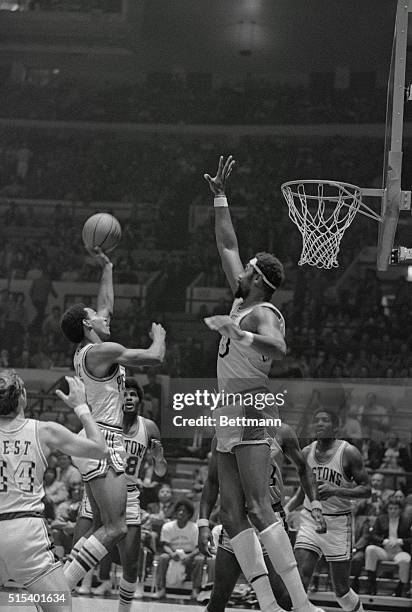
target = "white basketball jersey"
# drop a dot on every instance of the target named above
(135, 446)
(276, 486)
(237, 364)
(105, 396)
(22, 467)
(331, 472)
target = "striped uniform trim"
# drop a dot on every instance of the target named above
(115, 461)
(10, 516)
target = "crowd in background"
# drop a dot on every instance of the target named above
(168, 98)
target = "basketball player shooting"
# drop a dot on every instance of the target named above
(252, 336)
(341, 476)
(26, 550)
(100, 364)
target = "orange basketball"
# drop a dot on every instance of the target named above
(102, 230)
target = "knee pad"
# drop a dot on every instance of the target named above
(248, 551)
(277, 544)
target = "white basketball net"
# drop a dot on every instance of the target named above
(322, 210)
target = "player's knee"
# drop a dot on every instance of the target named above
(117, 531)
(256, 514)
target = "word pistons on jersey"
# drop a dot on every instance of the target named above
(134, 448)
(326, 474)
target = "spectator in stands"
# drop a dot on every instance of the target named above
(375, 418)
(351, 429)
(163, 510)
(55, 491)
(391, 540)
(65, 519)
(392, 456)
(51, 326)
(361, 540)
(376, 503)
(67, 472)
(153, 387)
(40, 290)
(179, 541)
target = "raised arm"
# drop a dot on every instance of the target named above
(224, 231)
(105, 296)
(102, 356)
(54, 436)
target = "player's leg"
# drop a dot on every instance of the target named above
(306, 560)
(278, 586)
(244, 540)
(129, 548)
(54, 585)
(253, 463)
(109, 493)
(346, 597)
(227, 570)
(373, 554)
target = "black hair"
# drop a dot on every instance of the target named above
(187, 504)
(332, 415)
(71, 322)
(272, 268)
(392, 501)
(11, 387)
(131, 383)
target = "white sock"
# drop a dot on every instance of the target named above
(88, 557)
(126, 592)
(350, 602)
(249, 554)
(278, 547)
(74, 552)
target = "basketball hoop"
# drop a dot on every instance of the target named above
(322, 211)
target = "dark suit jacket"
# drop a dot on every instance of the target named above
(380, 531)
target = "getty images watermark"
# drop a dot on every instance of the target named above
(204, 399)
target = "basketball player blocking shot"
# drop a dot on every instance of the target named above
(341, 477)
(26, 552)
(252, 336)
(101, 365)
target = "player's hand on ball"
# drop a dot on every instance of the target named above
(100, 256)
(224, 169)
(77, 393)
(320, 520)
(225, 326)
(205, 538)
(156, 449)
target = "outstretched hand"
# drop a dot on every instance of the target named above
(224, 169)
(77, 392)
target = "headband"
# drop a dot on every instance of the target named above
(253, 263)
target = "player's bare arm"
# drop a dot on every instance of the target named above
(224, 231)
(101, 356)
(355, 470)
(262, 323)
(156, 448)
(292, 450)
(105, 296)
(208, 500)
(54, 436)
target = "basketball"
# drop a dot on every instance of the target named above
(101, 230)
